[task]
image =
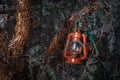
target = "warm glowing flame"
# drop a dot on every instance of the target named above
(73, 60)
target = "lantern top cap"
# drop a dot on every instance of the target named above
(77, 34)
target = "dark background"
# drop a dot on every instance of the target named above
(48, 17)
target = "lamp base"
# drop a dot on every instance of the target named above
(70, 60)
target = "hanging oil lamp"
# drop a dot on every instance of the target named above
(75, 50)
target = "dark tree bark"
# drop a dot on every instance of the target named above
(14, 67)
(18, 43)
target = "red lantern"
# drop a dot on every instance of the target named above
(75, 51)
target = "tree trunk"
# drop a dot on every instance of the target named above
(19, 41)
(15, 67)
(22, 28)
